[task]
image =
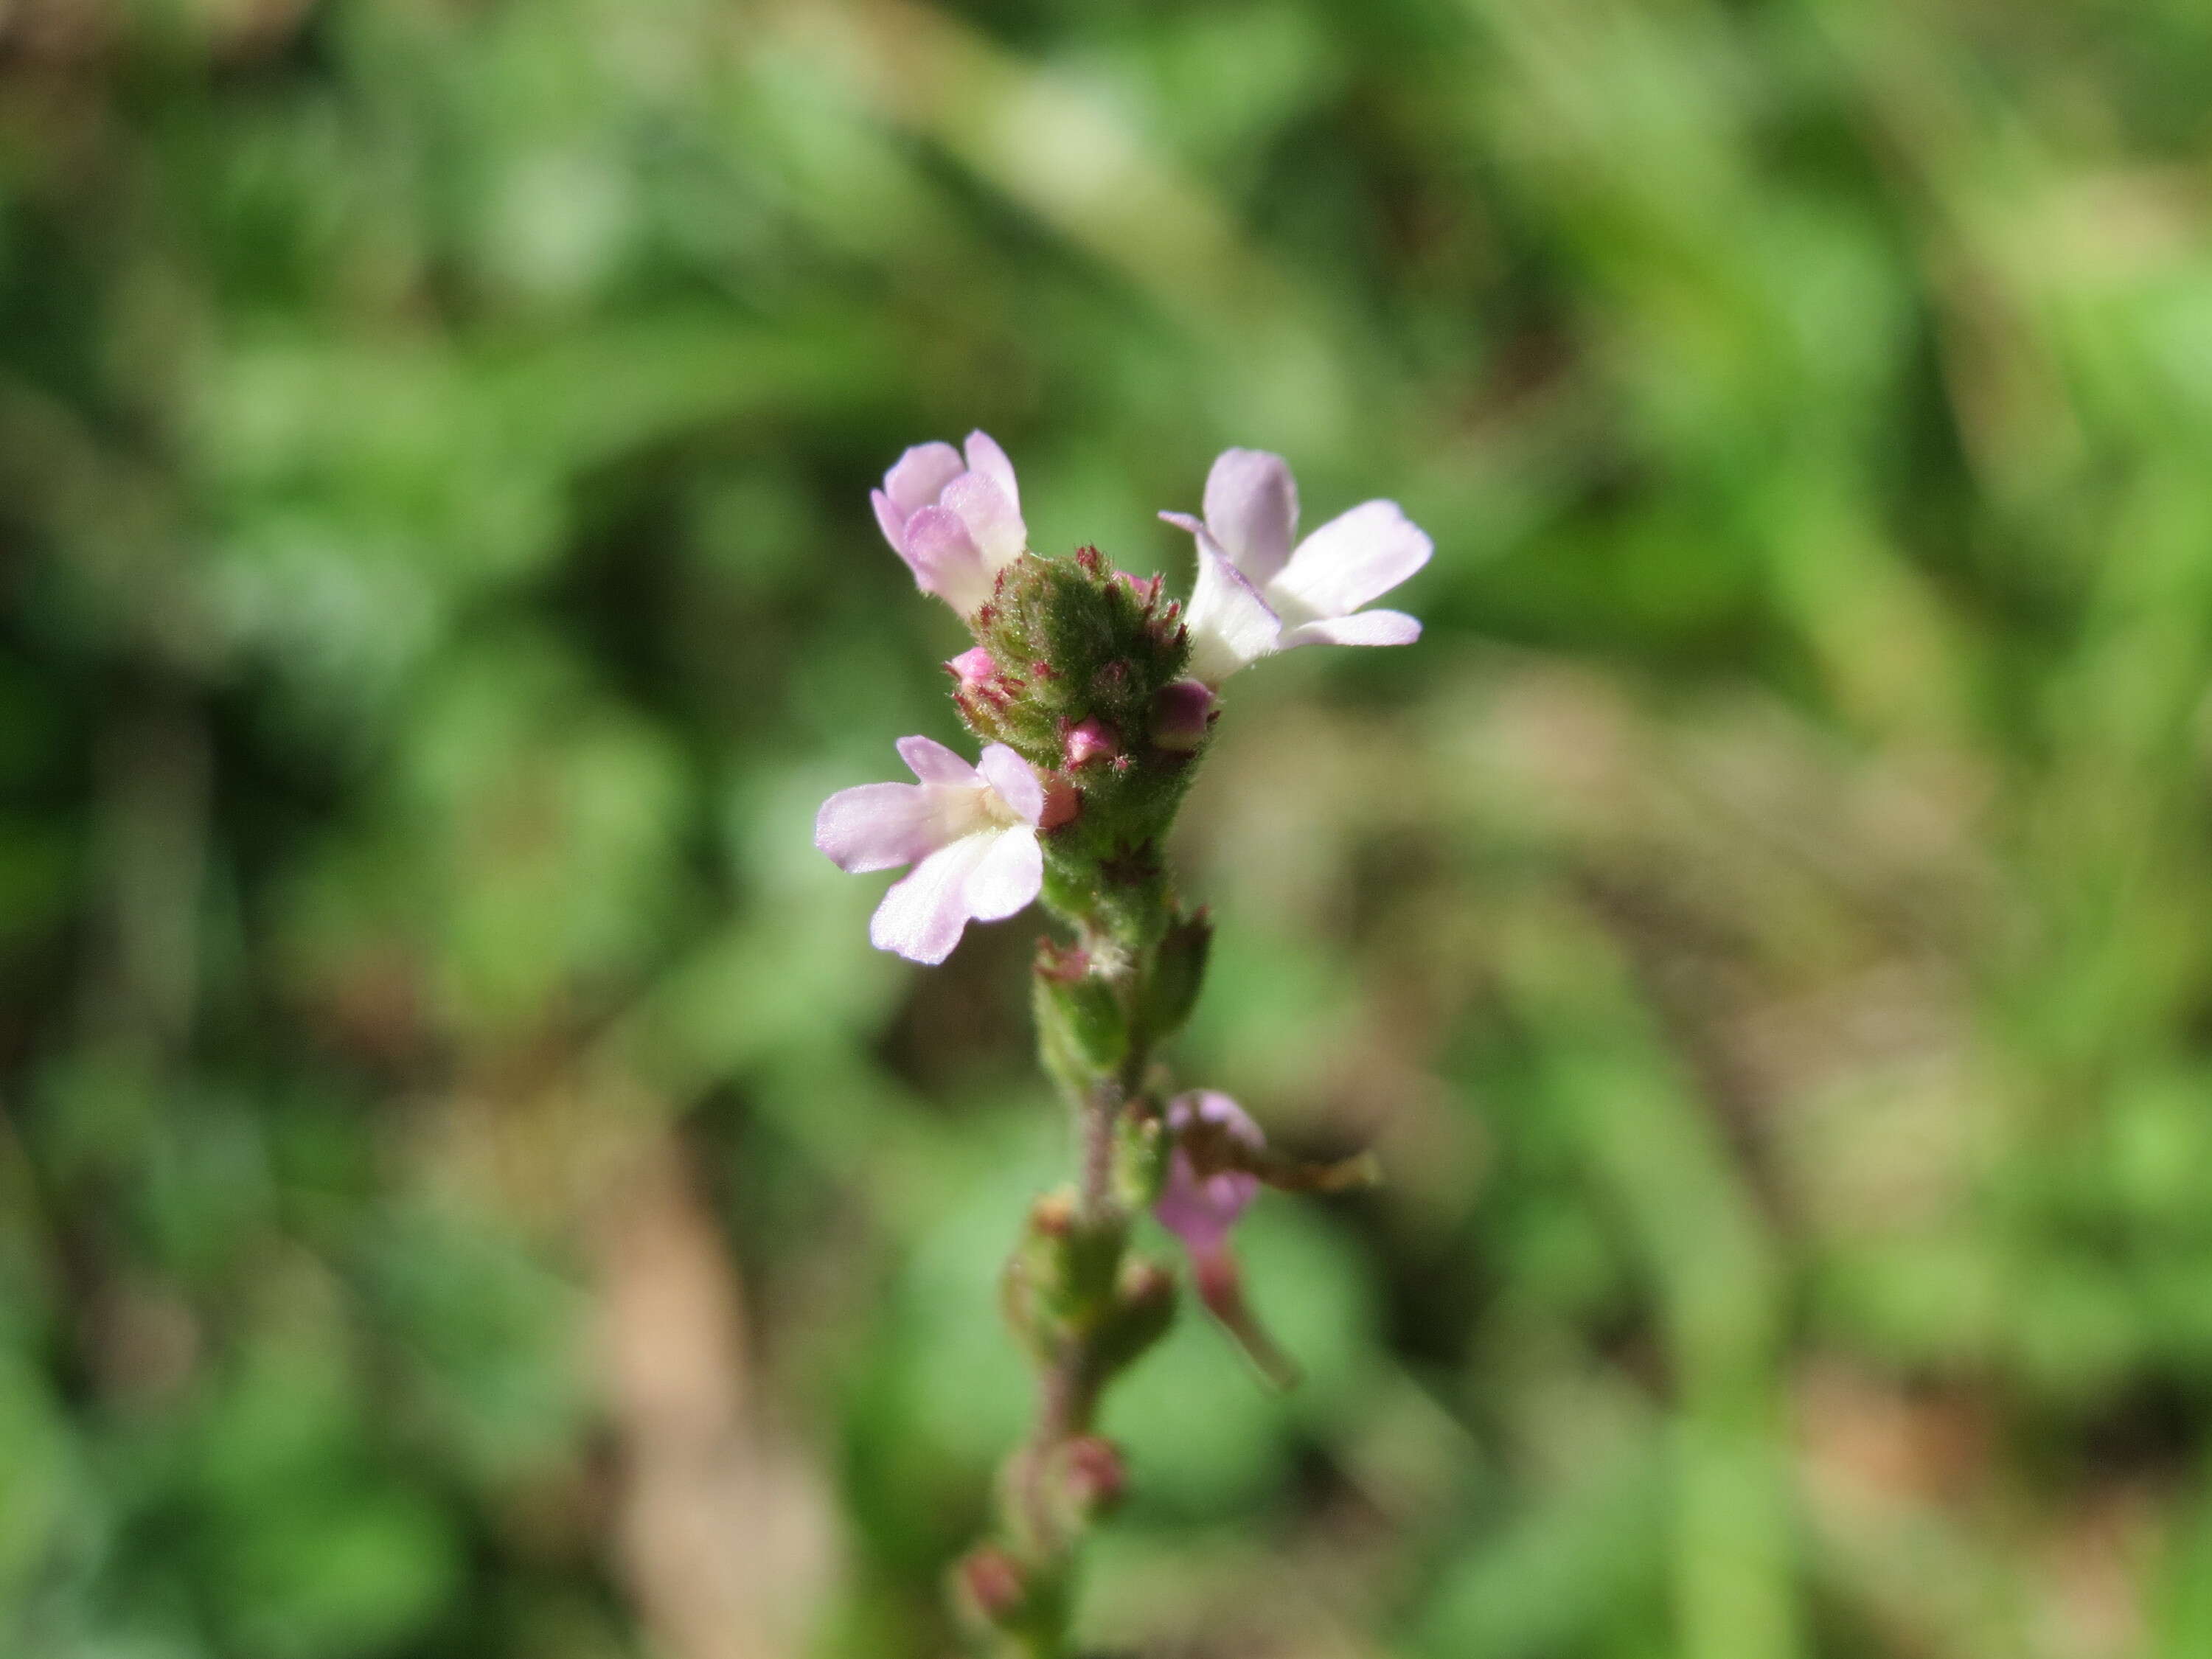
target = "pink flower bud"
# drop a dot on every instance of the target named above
(1063, 965)
(993, 1583)
(1061, 802)
(1092, 1476)
(1146, 590)
(973, 667)
(1052, 1215)
(1088, 742)
(1181, 713)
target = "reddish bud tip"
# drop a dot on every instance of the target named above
(1063, 963)
(1052, 1215)
(1092, 1476)
(1146, 591)
(1144, 1281)
(993, 1583)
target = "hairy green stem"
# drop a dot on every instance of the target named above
(1072, 1378)
(1095, 1117)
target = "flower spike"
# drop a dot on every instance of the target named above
(1095, 699)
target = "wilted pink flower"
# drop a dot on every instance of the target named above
(970, 832)
(1257, 593)
(956, 525)
(1200, 1210)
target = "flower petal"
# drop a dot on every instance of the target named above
(1353, 558)
(994, 524)
(1015, 781)
(1252, 508)
(1201, 1213)
(890, 517)
(945, 560)
(919, 476)
(932, 762)
(1229, 623)
(1362, 628)
(1010, 877)
(877, 826)
(1212, 1106)
(984, 456)
(923, 915)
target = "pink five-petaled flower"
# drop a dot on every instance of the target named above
(1257, 593)
(970, 832)
(957, 524)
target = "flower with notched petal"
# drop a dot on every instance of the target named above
(1258, 592)
(970, 833)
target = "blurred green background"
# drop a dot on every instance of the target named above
(467, 1188)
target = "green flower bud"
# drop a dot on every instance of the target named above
(1080, 1018)
(1178, 970)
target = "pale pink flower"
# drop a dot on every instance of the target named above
(970, 833)
(1200, 1210)
(957, 524)
(1260, 591)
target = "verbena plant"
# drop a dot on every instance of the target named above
(1095, 697)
